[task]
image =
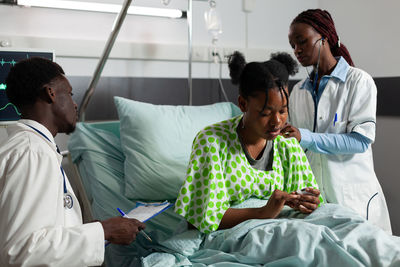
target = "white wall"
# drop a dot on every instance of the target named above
(78, 37)
(369, 29)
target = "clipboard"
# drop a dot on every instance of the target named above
(145, 211)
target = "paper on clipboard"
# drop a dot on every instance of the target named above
(145, 211)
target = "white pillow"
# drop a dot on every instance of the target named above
(156, 141)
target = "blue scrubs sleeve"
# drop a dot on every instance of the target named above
(329, 143)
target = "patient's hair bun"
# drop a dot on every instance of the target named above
(287, 60)
(236, 63)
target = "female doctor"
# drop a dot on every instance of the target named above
(333, 115)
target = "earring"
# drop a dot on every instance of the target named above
(244, 114)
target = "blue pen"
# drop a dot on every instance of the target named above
(142, 231)
(122, 213)
(335, 120)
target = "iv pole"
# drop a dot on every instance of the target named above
(106, 52)
(110, 43)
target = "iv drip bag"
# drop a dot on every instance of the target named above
(213, 22)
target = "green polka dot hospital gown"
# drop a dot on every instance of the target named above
(220, 175)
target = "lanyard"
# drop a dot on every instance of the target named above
(58, 151)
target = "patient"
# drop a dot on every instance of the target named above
(246, 156)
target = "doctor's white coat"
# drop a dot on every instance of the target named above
(35, 228)
(349, 179)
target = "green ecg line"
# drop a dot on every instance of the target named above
(12, 62)
(9, 104)
(3, 86)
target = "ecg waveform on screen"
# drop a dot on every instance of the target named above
(9, 59)
(12, 62)
(9, 104)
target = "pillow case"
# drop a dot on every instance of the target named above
(156, 141)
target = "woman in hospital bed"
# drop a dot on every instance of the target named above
(243, 171)
(246, 156)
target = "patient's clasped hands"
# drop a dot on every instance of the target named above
(305, 203)
(308, 201)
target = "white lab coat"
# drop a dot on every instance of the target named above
(35, 228)
(349, 179)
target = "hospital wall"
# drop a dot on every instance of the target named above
(148, 62)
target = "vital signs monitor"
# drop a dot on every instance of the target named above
(8, 58)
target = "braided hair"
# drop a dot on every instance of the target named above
(323, 23)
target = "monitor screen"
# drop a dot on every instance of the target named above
(8, 58)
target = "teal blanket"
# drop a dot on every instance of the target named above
(330, 236)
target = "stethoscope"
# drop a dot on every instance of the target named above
(68, 201)
(315, 78)
(314, 81)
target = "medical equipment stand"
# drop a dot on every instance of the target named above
(110, 43)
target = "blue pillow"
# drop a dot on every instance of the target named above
(156, 141)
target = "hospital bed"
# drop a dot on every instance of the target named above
(120, 165)
(143, 156)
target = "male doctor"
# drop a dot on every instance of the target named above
(40, 221)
